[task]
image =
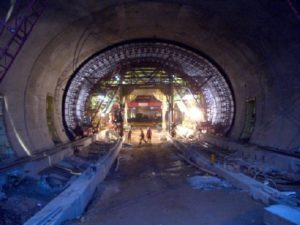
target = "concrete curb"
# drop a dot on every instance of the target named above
(281, 215)
(44, 158)
(72, 202)
(254, 154)
(256, 189)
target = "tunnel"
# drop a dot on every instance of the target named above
(216, 82)
(176, 63)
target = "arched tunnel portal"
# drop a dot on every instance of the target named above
(178, 62)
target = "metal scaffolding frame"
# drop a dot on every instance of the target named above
(195, 71)
(15, 31)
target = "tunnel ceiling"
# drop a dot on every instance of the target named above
(173, 58)
(256, 43)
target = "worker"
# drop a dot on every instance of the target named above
(142, 137)
(149, 134)
(173, 130)
(121, 129)
(78, 131)
(129, 135)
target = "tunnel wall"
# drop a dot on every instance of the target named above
(254, 43)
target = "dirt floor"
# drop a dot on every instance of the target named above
(150, 186)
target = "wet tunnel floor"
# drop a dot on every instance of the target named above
(149, 186)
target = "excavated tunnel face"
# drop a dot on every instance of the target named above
(177, 61)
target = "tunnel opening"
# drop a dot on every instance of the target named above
(148, 83)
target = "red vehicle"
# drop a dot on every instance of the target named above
(144, 109)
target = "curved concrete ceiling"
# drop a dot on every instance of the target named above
(256, 43)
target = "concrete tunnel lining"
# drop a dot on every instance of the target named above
(251, 47)
(242, 59)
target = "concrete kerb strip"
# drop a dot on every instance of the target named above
(256, 189)
(281, 215)
(71, 203)
(42, 160)
(253, 154)
(30, 166)
(273, 215)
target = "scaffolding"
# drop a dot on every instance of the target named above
(16, 28)
(145, 65)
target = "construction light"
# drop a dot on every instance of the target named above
(195, 114)
(188, 97)
(203, 131)
(184, 131)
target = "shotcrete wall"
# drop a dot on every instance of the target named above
(256, 44)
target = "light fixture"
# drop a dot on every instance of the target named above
(195, 114)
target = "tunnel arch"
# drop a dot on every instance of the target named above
(254, 58)
(174, 57)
